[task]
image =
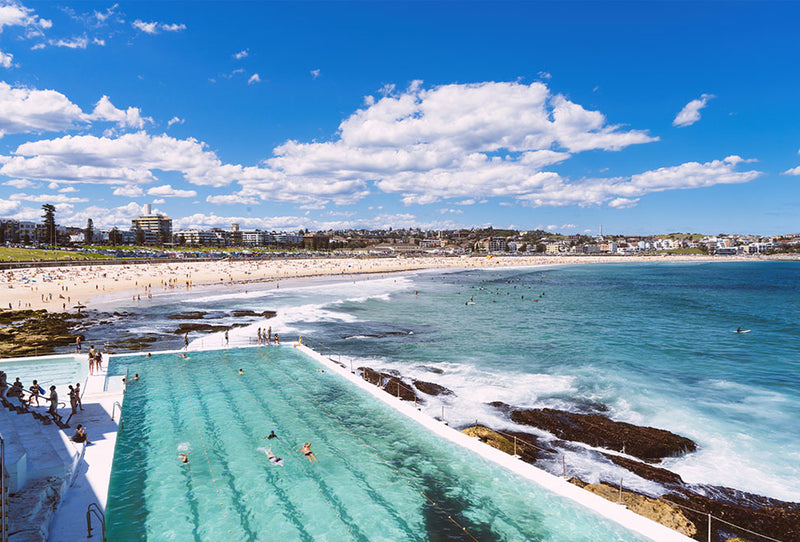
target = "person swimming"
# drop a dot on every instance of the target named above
(271, 435)
(272, 458)
(306, 449)
(184, 457)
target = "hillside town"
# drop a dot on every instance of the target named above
(155, 230)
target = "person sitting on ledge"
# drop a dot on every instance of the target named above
(80, 435)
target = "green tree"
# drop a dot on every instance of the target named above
(49, 217)
(88, 233)
(139, 236)
(114, 238)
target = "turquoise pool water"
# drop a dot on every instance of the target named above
(377, 477)
(56, 371)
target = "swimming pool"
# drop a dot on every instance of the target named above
(59, 371)
(379, 476)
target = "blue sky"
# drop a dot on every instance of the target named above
(644, 117)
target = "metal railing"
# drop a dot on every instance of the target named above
(94, 508)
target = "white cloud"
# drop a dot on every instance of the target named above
(147, 28)
(254, 79)
(159, 200)
(7, 207)
(168, 192)
(6, 59)
(691, 111)
(78, 42)
(68, 189)
(241, 54)
(173, 27)
(623, 203)
(128, 191)
(130, 118)
(793, 171)
(47, 198)
(98, 41)
(174, 120)
(103, 16)
(545, 75)
(315, 73)
(155, 27)
(25, 110)
(15, 14)
(19, 183)
(232, 199)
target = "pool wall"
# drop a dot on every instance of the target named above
(615, 512)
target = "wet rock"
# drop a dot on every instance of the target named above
(528, 446)
(646, 443)
(432, 388)
(430, 369)
(655, 509)
(649, 472)
(391, 383)
(239, 313)
(192, 326)
(189, 315)
(36, 332)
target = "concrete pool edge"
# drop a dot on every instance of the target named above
(615, 512)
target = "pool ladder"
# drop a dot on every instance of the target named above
(94, 508)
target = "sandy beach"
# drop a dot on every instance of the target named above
(59, 289)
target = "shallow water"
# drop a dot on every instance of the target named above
(377, 478)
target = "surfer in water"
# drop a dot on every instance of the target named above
(738, 329)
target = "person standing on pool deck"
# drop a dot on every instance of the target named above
(186, 341)
(78, 344)
(306, 449)
(53, 403)
(78, 394)
(269, 335)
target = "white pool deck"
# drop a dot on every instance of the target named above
(90, 480)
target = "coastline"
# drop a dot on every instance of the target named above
(61, 289)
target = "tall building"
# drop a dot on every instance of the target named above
(157, 228)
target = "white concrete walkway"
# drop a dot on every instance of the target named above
(93, 473)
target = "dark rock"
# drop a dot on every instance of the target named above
(647, 443)
(649, 472)
(431, 388)
(390, 383)
(430, 369)
(245, 312)
(186, 327)
(189, 315)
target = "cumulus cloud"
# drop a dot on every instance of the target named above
(8, 206)
(128, 191)
(25, 110)
(19, 183)
(15, 14)
(156, 27)
(691, 111)
(6, 59)
(78, 42)
(254, 79)
(47, 198)
(232, 199)
(167, 191)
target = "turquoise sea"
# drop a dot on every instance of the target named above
(654, 342)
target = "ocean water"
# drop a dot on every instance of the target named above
(379, 476)
(653, 342)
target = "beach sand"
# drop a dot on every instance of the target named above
(65, 288)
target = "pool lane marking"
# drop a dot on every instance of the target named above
(310, 475)
(374, 451)
(205, 451)
(351, 469)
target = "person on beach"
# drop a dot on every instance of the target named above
(306, 449)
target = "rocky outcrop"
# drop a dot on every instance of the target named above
(37, 332)
(192, 326)
(189, 315)
(390, 383)
(242, 312)
(528, 447)
(657, 510)
(647, 443)
(431, 388)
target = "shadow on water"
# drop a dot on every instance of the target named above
(440, 527)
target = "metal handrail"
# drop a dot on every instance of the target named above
(114, 409)
(95, 508)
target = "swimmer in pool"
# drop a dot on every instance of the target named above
(306, 449)
(184, 457)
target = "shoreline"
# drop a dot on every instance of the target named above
(61, 289)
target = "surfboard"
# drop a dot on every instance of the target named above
(742, 331)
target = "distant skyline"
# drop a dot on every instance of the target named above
(645, 117)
